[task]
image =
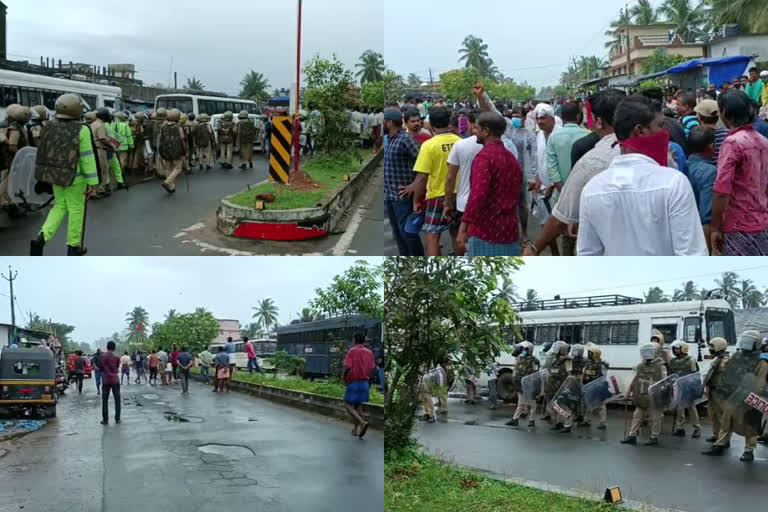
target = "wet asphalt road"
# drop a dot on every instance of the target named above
(146, 221)
(672, 475)
(286, 460)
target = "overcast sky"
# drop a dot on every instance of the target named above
(219, 42)
(94, 294)
(528, 40)
(581, 277)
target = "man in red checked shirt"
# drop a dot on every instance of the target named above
(490, 222)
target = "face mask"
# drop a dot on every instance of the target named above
(525, 353)
(655, 145)
(517, 122)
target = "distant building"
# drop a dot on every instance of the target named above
(740, 44)
(227, 328)
(637, 42)
(26, 336)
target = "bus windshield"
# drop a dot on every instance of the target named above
(181, 103)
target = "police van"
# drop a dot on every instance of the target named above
(258, 121)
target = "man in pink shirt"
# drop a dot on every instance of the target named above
(358, 366)
(739, 203)
(253, 362)
(110, 368)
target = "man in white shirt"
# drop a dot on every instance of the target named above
(637, 207)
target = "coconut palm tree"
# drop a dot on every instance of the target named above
(749, 295)
(509, 292)
(414, 80)
(625, 18)
(265, 313)
(643, 13)
(193, 84)
(307, 315)
(531, 295)
(689, 292)
(654, 295)
(686, 18)
(371, 67)
(171, 315)
(474, 52)
(255, 87)
(750, 15)
(728, 286)
(138, 320)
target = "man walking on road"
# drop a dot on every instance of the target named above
(230, 349)
(162, 362)
(125, 362)
(358, 366)
(96, 364)
(222, 376)
(79, 370)
(154, 362)
(110, 366)
(184, 361)
(206, 358)
(253, 362)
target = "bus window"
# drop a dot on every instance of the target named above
(598, 332)
(8, 96)
(571, 334)
(231, 107)
(29, 97)
(669, 331)
(109, 103)
(221, 106)
(720, 323)
(91, 101)
(205, 107)
(545, 333)
(624, 333)
(49, 99)
(690, 326)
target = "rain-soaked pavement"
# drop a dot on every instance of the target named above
(196, 452)
(673, 475)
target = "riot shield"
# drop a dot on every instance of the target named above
(148, 153)
(568, 398)
(662, 393)
(688, 390)
(533, 385)
(739, 405)
(596, 393)
(21, 179)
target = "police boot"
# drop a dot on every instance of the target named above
(243, 167)
(566, 430)
(696, 433)
(602, 426)
(512, 423)
(168, 188)
(629, 440)
(763, 439)
(652, 441)
(122, 186)
(585, 424)
(37, 245)
(76, 251)
(715, 450)
(747, 457)
(711, 439)
(531, 424)
(679, 432)
(556, 426)
(251, 164)
(208, 167)
(546, 417)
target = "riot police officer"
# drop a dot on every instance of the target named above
(682, 364)
(647, 373)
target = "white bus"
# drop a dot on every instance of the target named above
(30, 90)
(620, 325)
(211, 105)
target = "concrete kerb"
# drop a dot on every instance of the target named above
(327, 406)
(326, 217)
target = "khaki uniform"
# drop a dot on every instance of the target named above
(159, 169)
(525, 366)
(107, 179)
(730, 422)
(227, 141)
(136, 159)
(593, 370)
(35, 132)
(714, 401)
(645, 375)
(16, 139)
(434, 383)
(175, 167)
(205, 152)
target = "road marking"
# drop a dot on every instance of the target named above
(342, 248)
(206, 247)
(184, 232)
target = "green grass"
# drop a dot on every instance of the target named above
(327, 172)
(421, 483)
(330, 388)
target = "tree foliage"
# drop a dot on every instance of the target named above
(511, 91)
(137, 331)
(355, 292)
(660, 60)
(371, 67)
(329, 87)
(254, 87)
(438, 308)
(379, 93)
(265, 314)
(459, 82)
(193, 84)
(193, 330)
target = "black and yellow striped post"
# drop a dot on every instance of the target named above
(280, 152)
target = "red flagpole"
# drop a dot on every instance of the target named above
(298, 95)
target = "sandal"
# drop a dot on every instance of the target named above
(363, 430)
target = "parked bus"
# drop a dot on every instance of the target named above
(620, 325)
(317, 342)
(241, 358)
(200, 104)
(30, 90)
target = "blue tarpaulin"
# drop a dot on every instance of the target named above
(21, 426)
(721, 70)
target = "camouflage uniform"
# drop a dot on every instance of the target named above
(526, 365)
(15, 139)
(227, 140)
(173, 149)
(646, 374)
(246, 138)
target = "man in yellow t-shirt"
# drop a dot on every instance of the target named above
(432, 171)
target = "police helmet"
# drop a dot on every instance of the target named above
(69, 106)
(173, 115)
(577, 350)
(649, 351)
(18, 113)
(748, 341)
(243, 114)
(718, 344)
(41, 111)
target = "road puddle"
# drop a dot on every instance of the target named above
(178, 418)
(230, 451)
(151, 396)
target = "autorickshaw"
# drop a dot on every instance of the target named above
(28, 382)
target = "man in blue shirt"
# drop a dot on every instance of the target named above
(230, 350)
(701, 173)
(399, 159)
(185, 363)
(686, 106)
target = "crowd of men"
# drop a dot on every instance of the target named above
(597, 174)
(560, 379)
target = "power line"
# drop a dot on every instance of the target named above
(663, 280)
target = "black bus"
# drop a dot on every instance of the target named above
(323, 343)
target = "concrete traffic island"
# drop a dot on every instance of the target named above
(296, 224)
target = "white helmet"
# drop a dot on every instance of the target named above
(749, 341)
(649, 351)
